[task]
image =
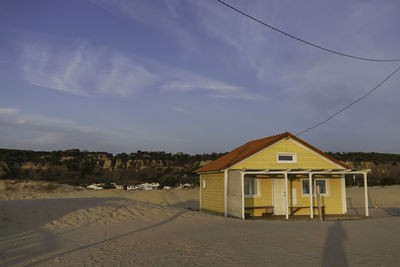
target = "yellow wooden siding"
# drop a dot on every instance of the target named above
(265, 198)
(332, 202)
(267, 159)
(212, 196)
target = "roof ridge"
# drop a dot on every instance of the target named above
(285, 133)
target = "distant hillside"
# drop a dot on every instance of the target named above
(385, 168)
(83, 167)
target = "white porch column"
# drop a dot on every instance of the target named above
(242, 182)
(311, 195)
(200, 193)
(226, 193)
(344, 198)
(366, 194)
(286, 197)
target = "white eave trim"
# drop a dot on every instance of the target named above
(210, 172)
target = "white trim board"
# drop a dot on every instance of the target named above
(199, 173)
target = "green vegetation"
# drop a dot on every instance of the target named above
(370, 157)
(385, 168)
(83, 167)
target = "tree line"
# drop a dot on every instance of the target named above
(83, 167)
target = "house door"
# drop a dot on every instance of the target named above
(279, 196)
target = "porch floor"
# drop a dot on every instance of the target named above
(307, 217)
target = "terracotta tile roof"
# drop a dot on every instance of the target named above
(253, 147)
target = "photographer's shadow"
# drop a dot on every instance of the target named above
(334, 252)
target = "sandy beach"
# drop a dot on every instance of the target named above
(45, 225)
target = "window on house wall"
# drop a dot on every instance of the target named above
(286, 157)
(204, 182)
(322, 183)
(251, 187)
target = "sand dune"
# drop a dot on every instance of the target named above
(73, 227)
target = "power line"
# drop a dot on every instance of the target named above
(304, 41)
(349, 105)
(327, 50)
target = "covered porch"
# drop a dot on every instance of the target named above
(287, 192)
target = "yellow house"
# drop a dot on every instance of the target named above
(276, 175)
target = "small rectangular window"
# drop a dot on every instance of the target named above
(322, 186)
(251, 187)
(286, 157)
(306, 187)
(204, 183)
(322, 183)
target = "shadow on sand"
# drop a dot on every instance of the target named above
(392, 211)
(192, 205)
(29, 241)
(39, 262)
(21, 236)
(21, 247)
(334, 252)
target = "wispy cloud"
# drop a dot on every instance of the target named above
(20, 129)
(91, 71)
(83, 70)
(15, 117)
(177, 109)
(6, 111)
(214, 88)
(26, 130)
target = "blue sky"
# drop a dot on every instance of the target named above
(194, 76)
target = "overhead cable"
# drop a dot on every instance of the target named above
(304, 41)
(349, 105)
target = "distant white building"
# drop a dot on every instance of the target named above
(143, 187)
(95, 187)
(132, 187)
(118, 186)
(148, 187)
(184, 186)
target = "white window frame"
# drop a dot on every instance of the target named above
(258, 195)
(204, 183)
(327, 194)
(293, 154)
